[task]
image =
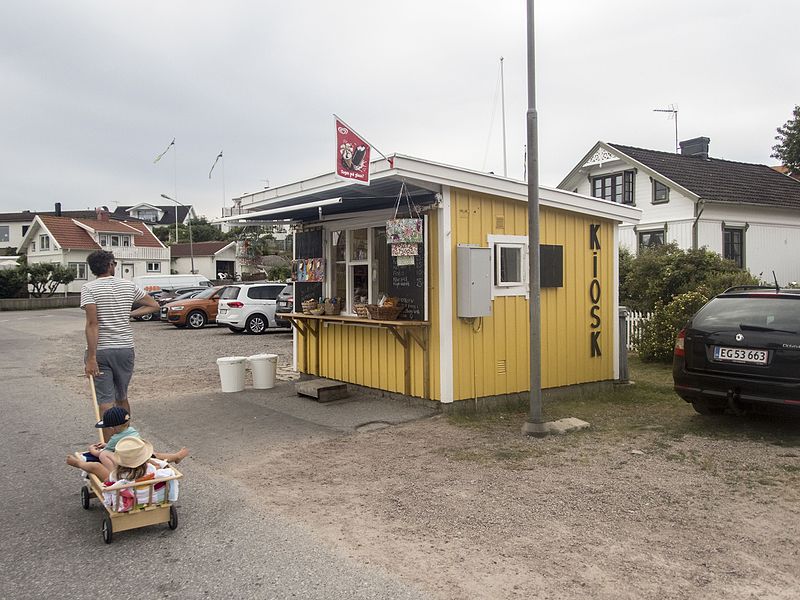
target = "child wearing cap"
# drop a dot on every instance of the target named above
(117, 419)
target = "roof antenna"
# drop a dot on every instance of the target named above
(777, 287)
(673, 110)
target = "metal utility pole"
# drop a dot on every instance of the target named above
(503, 104)
(534, 303)
(191, 244)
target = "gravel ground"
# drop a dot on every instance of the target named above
(472, 509)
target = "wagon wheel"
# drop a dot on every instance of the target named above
(108, 530)
(85, 497)
(173, 517)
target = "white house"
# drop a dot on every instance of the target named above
(210, 259)
(69, 241)
(157, 215)
(748, 213)
(13, 227)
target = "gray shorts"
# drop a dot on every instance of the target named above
(116, 369)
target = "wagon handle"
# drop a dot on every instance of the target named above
(96, 408)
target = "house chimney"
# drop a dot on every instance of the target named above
(102, 215)
(58, 209)
(695, 147)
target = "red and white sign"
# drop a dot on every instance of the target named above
(352, 154)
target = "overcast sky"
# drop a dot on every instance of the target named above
(93, 91)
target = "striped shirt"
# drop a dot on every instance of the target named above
(114, 298)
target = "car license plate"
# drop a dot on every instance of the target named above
(222, 311)
(741, 355)
(283, 303)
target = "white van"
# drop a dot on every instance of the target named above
(150, 283)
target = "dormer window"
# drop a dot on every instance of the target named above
(617, 187)
(660, 193)
(103, 240)
(44, 242)
(148, 215)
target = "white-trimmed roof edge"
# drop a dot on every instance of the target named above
(422, 172)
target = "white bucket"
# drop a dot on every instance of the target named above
(264, 367)
(231, 373)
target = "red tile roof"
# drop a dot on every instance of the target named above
(198, 248)
(147, 239)
(68, 234)
(109, 226)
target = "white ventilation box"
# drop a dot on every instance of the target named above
(473, 281)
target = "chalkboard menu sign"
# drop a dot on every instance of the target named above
(308, 244)
(408, 285)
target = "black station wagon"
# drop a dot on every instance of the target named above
(741, 351)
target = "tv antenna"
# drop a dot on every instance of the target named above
(266, 183)
(673, 114)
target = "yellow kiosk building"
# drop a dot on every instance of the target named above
(463, 333)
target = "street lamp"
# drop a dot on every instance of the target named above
(191, 246)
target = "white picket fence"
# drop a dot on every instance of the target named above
(634, 324)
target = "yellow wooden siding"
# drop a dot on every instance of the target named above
(373, 357)
(491, 355)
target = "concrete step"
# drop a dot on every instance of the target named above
(322, 390)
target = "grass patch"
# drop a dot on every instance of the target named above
(648, 406)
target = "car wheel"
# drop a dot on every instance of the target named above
(256, 324)
(147, 317)
(708, 407)
(236, 329)
(196, 319)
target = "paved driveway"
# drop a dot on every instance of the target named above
(228, 544)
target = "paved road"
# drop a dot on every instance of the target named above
(227, 544)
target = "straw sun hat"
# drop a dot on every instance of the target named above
(132, 452)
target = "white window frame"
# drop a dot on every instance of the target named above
(103, 240)
(44, 242)
(347, 227)
(515, 288)
(80, 269)
(150, 268)
(7, 233)
(126, 241)
(113, 239)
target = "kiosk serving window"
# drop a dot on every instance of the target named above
(361, 265)
(362, 270)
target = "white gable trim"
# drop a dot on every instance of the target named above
(37, 225)
(620, 155)
(223, 249)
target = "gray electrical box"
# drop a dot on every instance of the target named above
(474, 281)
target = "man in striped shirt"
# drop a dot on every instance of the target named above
(108, 302)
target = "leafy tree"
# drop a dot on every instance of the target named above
(164, 233)
(659, 274)
(202, 231)
(787, 150)
(14, 282)
(46, 277)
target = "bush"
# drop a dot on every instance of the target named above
(657, 340)
(14, 283)
(659, 274)
(278, 273)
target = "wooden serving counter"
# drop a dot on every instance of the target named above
(403, 331)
